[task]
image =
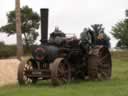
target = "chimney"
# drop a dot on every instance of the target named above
(44, 25)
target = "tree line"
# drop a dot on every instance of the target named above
(30, 22)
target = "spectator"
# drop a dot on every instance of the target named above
(103, 40)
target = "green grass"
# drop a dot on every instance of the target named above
(118, 86)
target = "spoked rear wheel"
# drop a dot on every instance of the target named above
(24, 71)
(60, 72)
(100, 64)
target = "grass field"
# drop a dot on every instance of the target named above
(118, 86)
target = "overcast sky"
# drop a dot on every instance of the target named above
(71, 16)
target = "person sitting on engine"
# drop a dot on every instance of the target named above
(57, 37)
(103, 40)
(86, 39)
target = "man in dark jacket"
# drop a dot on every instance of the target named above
(103, 40)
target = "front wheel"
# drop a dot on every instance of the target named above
(24, 71)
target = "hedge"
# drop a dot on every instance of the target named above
(7, 51)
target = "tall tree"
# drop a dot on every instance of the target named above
(18, 30)
(120, 32)
(30, 21)
(97, 28)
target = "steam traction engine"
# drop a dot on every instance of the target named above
(62, 59)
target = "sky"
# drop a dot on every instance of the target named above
(71, 16)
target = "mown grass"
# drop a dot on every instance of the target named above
(118, 86)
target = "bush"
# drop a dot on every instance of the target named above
(120, 55)
(2, 43)
(7, 51)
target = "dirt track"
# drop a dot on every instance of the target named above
(8, 71)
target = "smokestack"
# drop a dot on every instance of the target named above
(44, 25)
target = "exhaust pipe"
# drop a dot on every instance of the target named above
(44, 26)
